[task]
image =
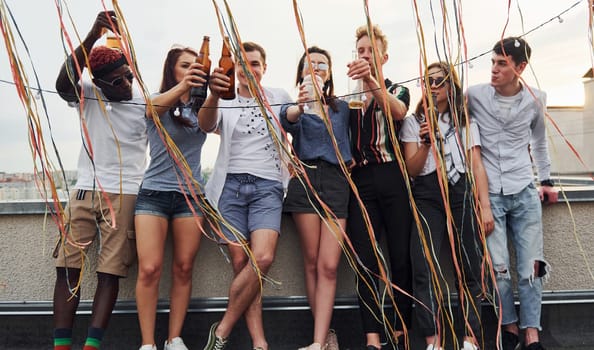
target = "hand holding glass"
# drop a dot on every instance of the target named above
(355, 88)
(313, 105)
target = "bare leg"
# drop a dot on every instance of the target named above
(245, 287)
(253, 315)
(151, 232)
(186, 241)
(373, 339)
(108, 286)
(309, 228)
(328, 260)
(65, 309)
(321, 252)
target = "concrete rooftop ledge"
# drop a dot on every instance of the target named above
(290, 303)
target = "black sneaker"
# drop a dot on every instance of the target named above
(509, 341)
(533, 346)
(214, 342)
(371, 347)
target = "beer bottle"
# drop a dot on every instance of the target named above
(198, 94)
(226, 63)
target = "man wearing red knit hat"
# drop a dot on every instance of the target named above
(110, 168)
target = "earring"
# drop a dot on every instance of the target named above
(176, 112)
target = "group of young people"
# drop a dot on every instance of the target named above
(454, 171)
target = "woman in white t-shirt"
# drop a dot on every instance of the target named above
(442, 155)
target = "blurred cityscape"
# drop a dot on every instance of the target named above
(16, 187)
(31, 186)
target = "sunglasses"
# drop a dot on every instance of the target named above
(119, 80)
(317, 65)
(437, 81)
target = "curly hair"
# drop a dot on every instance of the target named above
(103, 60)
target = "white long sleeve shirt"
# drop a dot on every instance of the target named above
(509, 138)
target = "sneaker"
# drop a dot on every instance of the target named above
(314, 346)
(215, 342)
(331, 340)
(176, 344)
(371, 347)
(148, 347)
(469, 346)
(434, 347)
(509, 341)
(534, 346)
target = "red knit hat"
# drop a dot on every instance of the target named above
(103, 60)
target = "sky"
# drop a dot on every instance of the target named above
(561, 52)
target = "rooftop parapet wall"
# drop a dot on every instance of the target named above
(27, 271)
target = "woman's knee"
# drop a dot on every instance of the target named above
(149, 272)
(183, 270)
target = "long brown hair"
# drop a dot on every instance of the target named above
(455, 95)
(328, 88)
(168, 81)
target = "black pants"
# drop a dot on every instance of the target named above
(467, 252)
(382, 190)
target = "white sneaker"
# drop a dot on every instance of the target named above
(314, 346)
(469, 346)
(176, 344)
(433, 347)
(148, 347)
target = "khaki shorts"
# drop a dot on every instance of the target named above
(87, 215)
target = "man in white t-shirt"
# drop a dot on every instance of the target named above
(247, 188)
(110, 168)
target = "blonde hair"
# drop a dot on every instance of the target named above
(377, 34)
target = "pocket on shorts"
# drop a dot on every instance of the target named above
(146, 192)
(131, 253)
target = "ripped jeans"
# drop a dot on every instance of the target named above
(518, 216)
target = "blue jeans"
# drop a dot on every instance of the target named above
(518, 216)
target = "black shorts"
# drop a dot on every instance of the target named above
(330, 184)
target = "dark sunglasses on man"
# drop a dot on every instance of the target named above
(119, 80)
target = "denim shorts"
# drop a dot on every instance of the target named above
(167, 204)
(250, 203)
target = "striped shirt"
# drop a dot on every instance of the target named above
(370, 131)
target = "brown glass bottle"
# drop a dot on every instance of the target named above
(228, 66)
(198, 94)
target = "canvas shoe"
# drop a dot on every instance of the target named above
(313, 346)
(214, 342)
(331, 340)
(148, 347)
(469, 346)
(176, 344)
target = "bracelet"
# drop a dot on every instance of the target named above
(70, 64)
(547, 182)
